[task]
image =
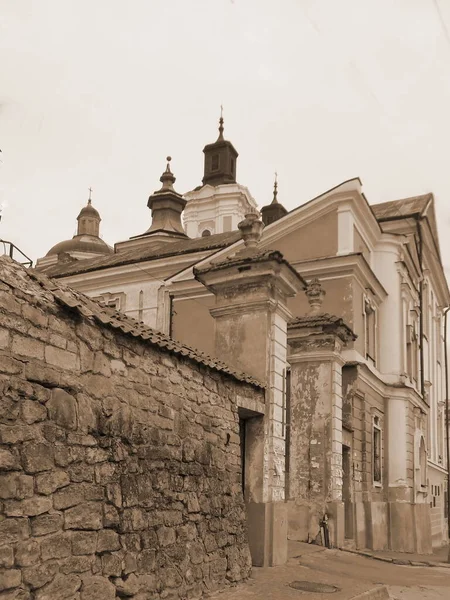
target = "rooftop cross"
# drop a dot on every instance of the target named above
(90, 194)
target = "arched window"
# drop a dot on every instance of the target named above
(206, 233)
(423, 463)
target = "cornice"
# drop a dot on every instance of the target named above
(354, 265)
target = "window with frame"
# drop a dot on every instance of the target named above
(423, 463)
(439, 342)
(412, 358)
(376, 451)
(215, 162)
(426, 310)
(370, 330)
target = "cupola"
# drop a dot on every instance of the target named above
(220, 160)
(273, 211)
(86, 243)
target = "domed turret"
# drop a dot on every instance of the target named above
(85, 244)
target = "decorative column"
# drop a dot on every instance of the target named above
(251, 290)
(315, 426)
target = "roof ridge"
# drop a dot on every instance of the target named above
(108, 316)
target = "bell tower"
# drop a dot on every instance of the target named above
(220, 203)
(220, 160)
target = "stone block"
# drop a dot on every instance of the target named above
(97, 588)
(76, 564)
(62, 409)
(15, 434)
(47, 483)
(28, 347)
(37, 457)
(76, 493)
(15, 485)
(55, 546)
(6, 557)
(38, 575)
(10, 578)
(27, 553)
(45, 524)
(112, 564)
(9, 461)
(88, 515)
(107, 541)
(30, 507)
(13, 530)
(32, 411)
(84, 542)
(62, 359)
(63, 587)
(166, 536)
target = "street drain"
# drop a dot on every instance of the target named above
(311, 586)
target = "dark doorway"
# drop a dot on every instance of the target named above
(242, 428)
(347, 490)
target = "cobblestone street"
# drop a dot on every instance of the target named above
(355, 576)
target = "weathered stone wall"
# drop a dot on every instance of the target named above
(119, 463)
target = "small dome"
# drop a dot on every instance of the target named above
(89, 211)
(82, 243)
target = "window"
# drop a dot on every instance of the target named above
(426, 310)
(108, 300)
(376, 454)
(370, 330)
(412, 358)
(232, 165)
(206, 232)
(215, 162)
(423, 463)
(438, 338)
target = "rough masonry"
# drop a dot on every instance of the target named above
(120, 471)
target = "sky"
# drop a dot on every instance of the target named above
(96, 93)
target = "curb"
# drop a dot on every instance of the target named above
(378, 593)
(397, 561)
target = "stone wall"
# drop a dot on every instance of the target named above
(120, 469)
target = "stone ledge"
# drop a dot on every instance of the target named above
(397, 561)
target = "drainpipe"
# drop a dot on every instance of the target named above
(170, 314)
(447, 425)
(421, 333)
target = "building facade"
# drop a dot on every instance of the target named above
(369, 328)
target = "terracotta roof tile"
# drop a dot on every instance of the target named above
(325, 321)
(185, 246)
(401, 208)
(109, 317)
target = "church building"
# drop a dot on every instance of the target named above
(337, 306)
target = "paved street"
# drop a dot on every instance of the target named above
(353, 574)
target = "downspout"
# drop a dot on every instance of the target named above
(447, 424)
(170, 314)
(422, 358)
(421, 332)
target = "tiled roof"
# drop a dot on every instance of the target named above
(136, 255)
(14, 274)
(401, 208)
(244, 258)
(325, 321)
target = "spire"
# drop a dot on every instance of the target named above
(275, 189)
(221, 138)
(167, 178)
(273, 211)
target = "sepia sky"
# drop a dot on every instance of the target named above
(98, 92)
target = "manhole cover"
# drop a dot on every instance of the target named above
(311, 586)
